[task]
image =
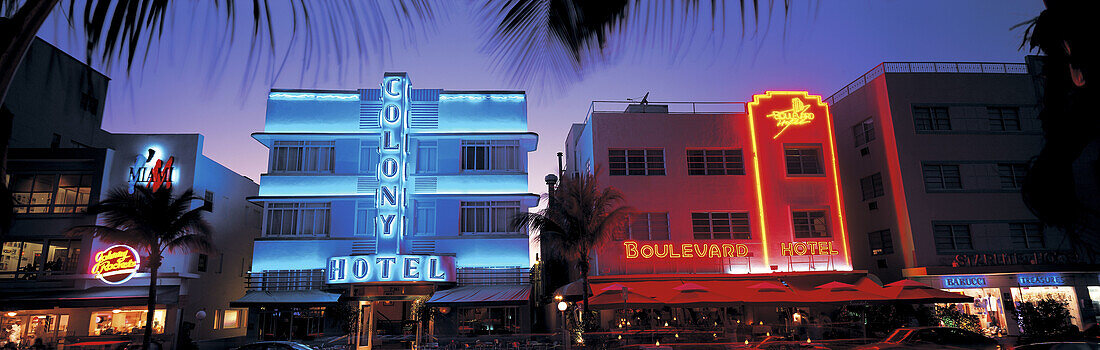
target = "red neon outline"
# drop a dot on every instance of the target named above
(756, 177)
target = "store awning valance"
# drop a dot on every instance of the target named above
(256, 297)
(92, 297)
(482, 296)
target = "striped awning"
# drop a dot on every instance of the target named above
(483, 296)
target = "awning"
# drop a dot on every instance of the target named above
(92, 297)
(483, 296)
(254, 297)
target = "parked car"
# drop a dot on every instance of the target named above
(275, 345)
(933, 338)
(1061, 346)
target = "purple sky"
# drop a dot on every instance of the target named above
(179, 92)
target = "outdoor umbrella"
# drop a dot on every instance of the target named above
(612, 298)
(694, 295)
(839, 292)
(769, 292)
(920, 293)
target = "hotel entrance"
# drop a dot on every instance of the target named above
(390, 315)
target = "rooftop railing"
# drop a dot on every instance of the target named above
(926, 67)
(673, 107)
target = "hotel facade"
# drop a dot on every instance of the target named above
(386, 200)
(934, 156)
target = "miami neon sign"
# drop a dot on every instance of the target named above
(152, 177)
(798, 115)
(116, 264)
(398, 268)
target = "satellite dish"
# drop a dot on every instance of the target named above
(645, 99)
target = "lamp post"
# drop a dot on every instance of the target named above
(564, 334)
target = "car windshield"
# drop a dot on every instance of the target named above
(897, 336)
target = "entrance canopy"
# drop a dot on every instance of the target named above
(257, 297)
(482, 296)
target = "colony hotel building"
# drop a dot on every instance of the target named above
(385, 198)
(934, 155)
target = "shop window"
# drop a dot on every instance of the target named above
(298, 219)
(717, 225)
(51, 193)
(303, 156)
(124, 322)
(938, 177)
(864, 132)
(1064, 294)
(488, 216)
(810, 224)
(715, 162)
(871, 186)
(803, 160)
(646, 227)
(881, 242)
(931, 118)
(427, 153)
(636, 162)
(1004, 118)
(1012, 175)
(988, 307)
(488, 320)
(952, 238)
(490, 155)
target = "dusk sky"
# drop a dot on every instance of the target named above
(178, 92)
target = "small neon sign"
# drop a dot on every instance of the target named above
(799, 114)
(634, 250)
(964, 282)
(1033, 280)
(807, 248)
(116, 264)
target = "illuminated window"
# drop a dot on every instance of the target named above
(881, 242)
(365, 215)
(942, 177)
(715, 225)
(1012, 174)
(803, 160)
(426, 154)
(646, 227)
(649, 161)
(810, 224)
(864, 132)
(1004, 118)
(425, 218)
(124, 322)
(298, 219)
(931, 118)
(303, 156)
(28, 259)
(872, 186)
(51, 193)
(952, 238)
(1026, 235)
(228, 318)
(715, 162)
(488, 216)
(500, 155)
(368, 157)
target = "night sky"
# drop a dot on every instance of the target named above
(178, 91)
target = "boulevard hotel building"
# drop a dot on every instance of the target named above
(388, 199)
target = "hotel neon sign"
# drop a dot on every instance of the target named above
(400, 268)
(116, 264)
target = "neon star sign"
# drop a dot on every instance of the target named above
(799, 114)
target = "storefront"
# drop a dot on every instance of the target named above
(996, 295)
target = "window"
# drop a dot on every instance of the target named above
(26, 259)
(298, 219)
(426, 154)
(881, 242)
(803, 160)
(488, 217)
(126, 321)
(89, 103)
(872, 186)
(1004, 118)
(952, 238)
(715, 225)
(201, 262)
(365, 222)
(368, 157)
(931, 118)
(715, 162)
(56, 141)
(649, 161)
(645, 226)
(425, 218)
(864, 132)
(1012, 174)
(208, 201)
(502, 155)
(1026, 235)
(303, 156)
(942, 177)
(810, 224)
(51, 193)
(228, 318)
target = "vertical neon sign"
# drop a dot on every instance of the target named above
(391, 173)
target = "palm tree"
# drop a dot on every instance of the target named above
(578, 218)
(153, 222)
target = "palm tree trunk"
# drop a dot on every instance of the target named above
(584, 292)
(151, 310)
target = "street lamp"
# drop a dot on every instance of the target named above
(564, 334)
